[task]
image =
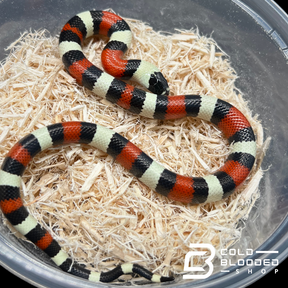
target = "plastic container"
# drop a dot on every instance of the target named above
(254, 33)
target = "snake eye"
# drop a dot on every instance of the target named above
(153, 80)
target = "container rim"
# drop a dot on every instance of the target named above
(30, 270)
(27, 269)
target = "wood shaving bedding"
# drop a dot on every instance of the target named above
(98, 212)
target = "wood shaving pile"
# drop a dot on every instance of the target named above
(98, 212)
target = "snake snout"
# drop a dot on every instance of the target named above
(158, 84)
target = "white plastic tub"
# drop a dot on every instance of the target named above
(254, 33)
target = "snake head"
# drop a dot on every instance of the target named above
(158, 84)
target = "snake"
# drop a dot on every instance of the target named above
(156, 104)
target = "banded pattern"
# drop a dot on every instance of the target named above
(90, 23)
(230, 120)
(12, 206)
(193, 190)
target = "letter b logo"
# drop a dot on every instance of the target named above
(189, 268)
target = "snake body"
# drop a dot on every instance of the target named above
(193, 190)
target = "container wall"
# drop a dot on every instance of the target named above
(254, 35)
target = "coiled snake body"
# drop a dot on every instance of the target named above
(159, 106)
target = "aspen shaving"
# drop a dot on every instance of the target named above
(98, 212)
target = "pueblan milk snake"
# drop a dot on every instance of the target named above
(158, 106)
